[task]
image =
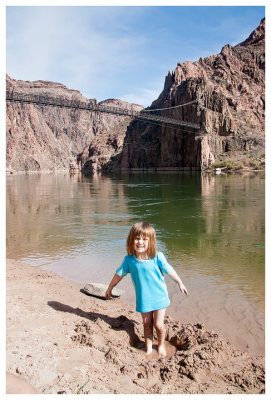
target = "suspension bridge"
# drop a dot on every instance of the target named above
(144, 115)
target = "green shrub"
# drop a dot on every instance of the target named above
(228, 165)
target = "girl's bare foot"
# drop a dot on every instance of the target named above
(162, 351)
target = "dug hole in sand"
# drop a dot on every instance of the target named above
(59, 340)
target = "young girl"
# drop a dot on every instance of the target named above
(147, 268)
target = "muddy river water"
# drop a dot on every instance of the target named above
(211, 228)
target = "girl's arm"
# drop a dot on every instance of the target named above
(177, 279)
(115, 280)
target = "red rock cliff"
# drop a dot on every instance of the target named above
(48, 138)
(230, 89)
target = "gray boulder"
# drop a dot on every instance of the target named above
(99, 290)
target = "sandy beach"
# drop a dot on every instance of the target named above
(59, 340)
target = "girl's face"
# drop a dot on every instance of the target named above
(141, 245)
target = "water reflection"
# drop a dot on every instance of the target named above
(52, 215)
(233, 208)
(209, 226)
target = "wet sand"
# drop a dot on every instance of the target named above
(59, 340)
(225, 310)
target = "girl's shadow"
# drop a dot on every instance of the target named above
(116, 323)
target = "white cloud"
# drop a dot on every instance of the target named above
(82, 48)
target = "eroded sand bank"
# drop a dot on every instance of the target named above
(59, 339)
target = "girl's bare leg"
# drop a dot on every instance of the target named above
(158, 322)
(148, 330)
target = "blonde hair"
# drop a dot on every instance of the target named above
(142, 229)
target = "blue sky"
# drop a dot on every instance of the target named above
(118, 51)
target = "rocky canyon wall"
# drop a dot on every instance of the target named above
(49, 138)
(230, 91)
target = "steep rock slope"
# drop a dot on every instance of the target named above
(230, 91)
(47, 138)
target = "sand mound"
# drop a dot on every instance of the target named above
(203, 362)
(60, 340)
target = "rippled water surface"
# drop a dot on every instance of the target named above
(211, 229)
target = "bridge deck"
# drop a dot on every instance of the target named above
(76, 104)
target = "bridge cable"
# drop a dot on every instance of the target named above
(169, 108)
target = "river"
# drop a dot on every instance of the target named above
(210, 227)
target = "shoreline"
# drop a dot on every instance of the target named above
(58, 339)
(211, 170)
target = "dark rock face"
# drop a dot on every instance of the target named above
(147, 146)
(44, 138)
(109, 143)
(230, 90)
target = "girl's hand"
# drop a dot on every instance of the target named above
(183, 288)
(115, 280)
(108, 294)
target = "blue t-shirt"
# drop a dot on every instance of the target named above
(148, 279)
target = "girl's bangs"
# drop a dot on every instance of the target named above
(143, 231)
